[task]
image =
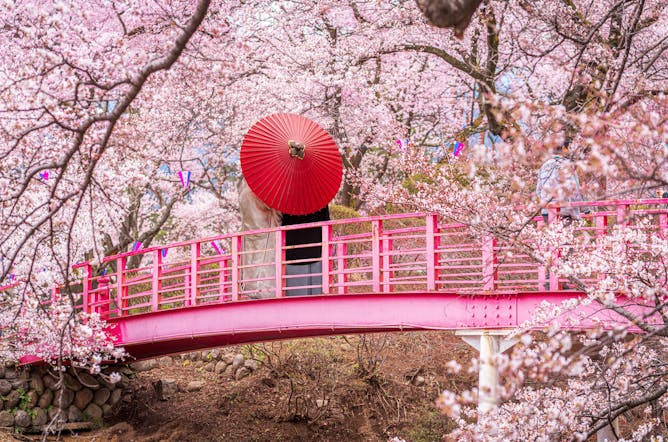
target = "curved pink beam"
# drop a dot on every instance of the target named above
(194, 328)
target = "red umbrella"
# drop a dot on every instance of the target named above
(291, 163)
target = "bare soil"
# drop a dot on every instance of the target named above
(353, 388)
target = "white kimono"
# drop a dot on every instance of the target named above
(255, 214)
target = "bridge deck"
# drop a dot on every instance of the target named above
(405, 271)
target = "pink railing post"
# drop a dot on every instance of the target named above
(279, 261)
(601, 224)
(542, 274)
(552, 216)
(236, 247)
(157, 281)
(55, 295)
(489, 263)
(623, 214)
(194, 274)
(388, 274)
(663, 224)
(87, 287)
(121, 288)
(376, 250)
(432, 243)
(326, 263)
(222, 278)
(103, 297)
(341, 251)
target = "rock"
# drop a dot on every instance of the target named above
(194, 386)
(209, 367)
(50, 382)
(106, 384)
(321, 403)
(199, 364)
(2, 404)
(13, 399)
(56, 414)
(6, 419)
(83, 398)
(46, 399)
(36, 383)
(22, 419)
(115, 397)
(74, 414)
(107, 410)
(24, 375)
(2, 371)
(40, 417)
(71, 383)
(242, 373)
(124, 382)
(238, 361)
(165, 361)
(220, 367)
(419, 381)
(20, 384)
(33, 398)
(193, 356)
(127, 398)
(229, 371)
(252, 364)
(146, 365)
(5, 387)
(165, 388)
(63, 398)
(123, 369)
(205, 355)
(89, 381)
(228, 358)
(93, 411)
(10, 373)
(215, 354)
(101, 396)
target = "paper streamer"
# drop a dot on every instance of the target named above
(163, 252)
(104, 271)
(403, 144)
(11, 277)
(215, 245)
(136, 246)
(184, 176)
(44, 175)
(458, 148)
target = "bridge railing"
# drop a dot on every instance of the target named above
(383, 254)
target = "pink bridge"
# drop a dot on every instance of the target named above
(387, 273)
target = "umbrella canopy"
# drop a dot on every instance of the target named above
(291, 163)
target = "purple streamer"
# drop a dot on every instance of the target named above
(184, 176)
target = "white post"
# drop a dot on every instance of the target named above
(489, 343)
(606, 434)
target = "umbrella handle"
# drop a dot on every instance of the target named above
(296, 149)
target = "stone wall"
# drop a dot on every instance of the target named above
(32, 398)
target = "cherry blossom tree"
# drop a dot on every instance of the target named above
(102, 106)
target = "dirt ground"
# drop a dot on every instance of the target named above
(353, 388)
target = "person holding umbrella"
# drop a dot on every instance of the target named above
(294, 166)
(303, 268)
